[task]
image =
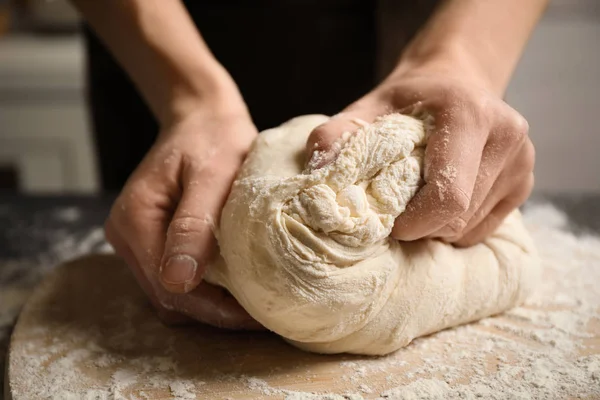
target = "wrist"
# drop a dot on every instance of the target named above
(451, 58)
(204, 91)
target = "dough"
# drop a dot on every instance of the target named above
(308, 254)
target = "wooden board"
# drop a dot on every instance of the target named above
(89, 333)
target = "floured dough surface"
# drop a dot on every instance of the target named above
(308, 254)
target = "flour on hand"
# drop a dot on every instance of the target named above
(308, 254)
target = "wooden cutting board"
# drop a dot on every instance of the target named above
(89, 333)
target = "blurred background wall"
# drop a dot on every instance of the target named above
(45, 144)
(557, 88)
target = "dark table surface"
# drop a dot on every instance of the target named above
(37, 233)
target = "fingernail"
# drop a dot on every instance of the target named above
(179, 269)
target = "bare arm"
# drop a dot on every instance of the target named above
(486, 37)
(158, 45)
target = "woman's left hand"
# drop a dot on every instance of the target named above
(479, 159)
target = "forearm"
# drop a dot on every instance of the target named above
(480, 37)
(158, 45)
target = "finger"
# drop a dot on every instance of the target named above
(452, 159)
(208, 304)
(141, 217)
(516, 172)
(496, 216)
(173, 318)
(213, 305)
(499, 191)
(123, 251)
(325, 141)
(503, 148)
(142, 211)
(190, 241)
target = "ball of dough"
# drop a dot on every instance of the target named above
(308, 254)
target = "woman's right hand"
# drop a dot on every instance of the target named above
(163, 221)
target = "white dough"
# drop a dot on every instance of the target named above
(308, 253)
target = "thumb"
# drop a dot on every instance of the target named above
(326, 140)
(190, 244)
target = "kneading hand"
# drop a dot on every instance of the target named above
(162, 223)
(478, 162)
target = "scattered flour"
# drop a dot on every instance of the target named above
(263, 387)
(67, 214)
(537, 351)
(56, 246)
(546, 349)
(183, 390)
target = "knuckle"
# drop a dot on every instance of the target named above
(191, 225)
(523, 191)
(136, 200)
(516, 128)
(122, 214)
(131, 196)
(518, 197)
(456, 199)
(520, 124)
(320, 134)
(524, 163)
(528, 155)
(454, 229)
(451, 94)
(530, 181)
(194, 164)
(471, 106)
(480, 104)
(454, 102)
(514, 200)
(457, 226)
(118, 213)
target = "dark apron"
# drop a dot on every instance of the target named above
(288, 57)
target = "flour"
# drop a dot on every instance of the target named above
(365, 388)
(67, 214)
(122, 379)
(183, 390)
(546, 349)
(263, 387)
(57, 245)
